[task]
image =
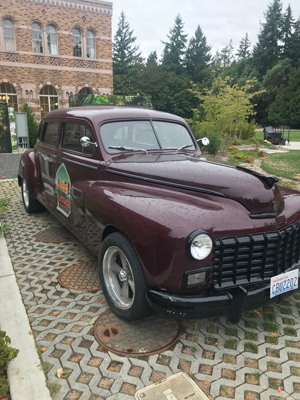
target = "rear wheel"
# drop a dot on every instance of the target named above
(31, 205)
(122, 278)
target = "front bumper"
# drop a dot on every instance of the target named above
(212, 303)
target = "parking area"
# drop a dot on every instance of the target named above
(256, 359)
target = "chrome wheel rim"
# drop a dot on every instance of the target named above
(25, 193)
(118, 278)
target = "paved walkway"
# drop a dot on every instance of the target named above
(247, 361)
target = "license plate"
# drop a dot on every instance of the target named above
(284, 283)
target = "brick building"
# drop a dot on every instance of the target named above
(50, 49)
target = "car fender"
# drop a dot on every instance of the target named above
(28, 170)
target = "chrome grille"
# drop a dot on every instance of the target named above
(240, 260)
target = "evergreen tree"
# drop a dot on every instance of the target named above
(294, 48)
(244, 49)
(267, 51)
(152, 59)
(125, 53)
(197, 57)
(226, 55)
(287, 27)
(172, 59)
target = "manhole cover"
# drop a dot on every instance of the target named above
(81, 276)
(54, 235)
(148, 336)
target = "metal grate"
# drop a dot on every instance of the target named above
(242, 260)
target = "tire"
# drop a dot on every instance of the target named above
(31, 205)
(122, 278)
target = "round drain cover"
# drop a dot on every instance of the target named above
(81, 276)
(54, 235)
(136, 338)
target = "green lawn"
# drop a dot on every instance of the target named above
(285, 165)
(294, 135)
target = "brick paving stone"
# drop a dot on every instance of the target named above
(211, 351)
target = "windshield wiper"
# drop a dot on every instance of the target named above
(124, 148)
(185, 147)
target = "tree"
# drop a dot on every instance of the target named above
(125, 53)
(294, 47)
(287, 27)
(172, 59)
(266, 52)
(226, 55)
(197, 57)
(33, 126)
(244, 49)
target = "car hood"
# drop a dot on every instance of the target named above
(199, 175)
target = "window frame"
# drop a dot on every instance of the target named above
(86, 44)
(81, 44)
(14, 31)
(49, 42)
(36, 40)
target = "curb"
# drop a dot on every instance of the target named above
(26, 378)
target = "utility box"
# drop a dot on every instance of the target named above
(22, 130)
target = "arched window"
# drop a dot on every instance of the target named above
(52, 40)
(48, 99)
(9, 34)
(90, 45)
(8, 95)
(77, 50)
(36, 36)
(86, 90)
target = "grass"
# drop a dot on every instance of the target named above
(285, 165)
(231, 344)
(251, 324)
(53, 388)
(294, 135)
(251, 336)
(251, 347)
(231, 332)
(290, 331)
(269, 316)
(270, 326)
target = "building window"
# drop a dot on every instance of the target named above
(77, 51)
(90, 45)
(86, 90)
(9, 35)
(52, 40)
(48, 99)
(8, 95)
(36, 36)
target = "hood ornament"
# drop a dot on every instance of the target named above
(269, 180)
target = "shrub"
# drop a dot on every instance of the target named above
(249, 159)
(214, 143)
(233, 149)
(7, 354)
(252, 140)
(248, 130)
(236, 143)
(33, 126)
(238, 156)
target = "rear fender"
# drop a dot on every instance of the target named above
(28, 171)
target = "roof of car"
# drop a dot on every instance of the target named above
(98, 114)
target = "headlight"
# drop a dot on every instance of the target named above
(199, 245)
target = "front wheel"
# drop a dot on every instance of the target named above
(122, 278)
(31, 205)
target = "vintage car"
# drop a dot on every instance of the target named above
(173, 232)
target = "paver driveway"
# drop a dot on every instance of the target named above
(245, 361)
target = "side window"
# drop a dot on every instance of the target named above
(50, 133)
(72, 132)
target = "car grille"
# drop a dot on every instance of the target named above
(249, 259)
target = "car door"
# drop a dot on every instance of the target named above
(47, 154)
(76, 170)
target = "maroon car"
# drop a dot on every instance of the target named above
(173, 231)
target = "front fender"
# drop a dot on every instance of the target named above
(28, 170)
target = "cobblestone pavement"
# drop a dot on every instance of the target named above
(248, 361)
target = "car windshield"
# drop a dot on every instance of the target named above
(139, 135)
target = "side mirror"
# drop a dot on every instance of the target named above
(205, 141)
(85, 142)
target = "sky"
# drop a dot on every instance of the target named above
(220, 20)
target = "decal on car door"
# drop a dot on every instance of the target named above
(63, 188)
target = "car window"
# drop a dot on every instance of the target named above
(50, 133)
(134, 134)
(173, 135)
(72, 132)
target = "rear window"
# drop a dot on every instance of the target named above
(50, 133)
